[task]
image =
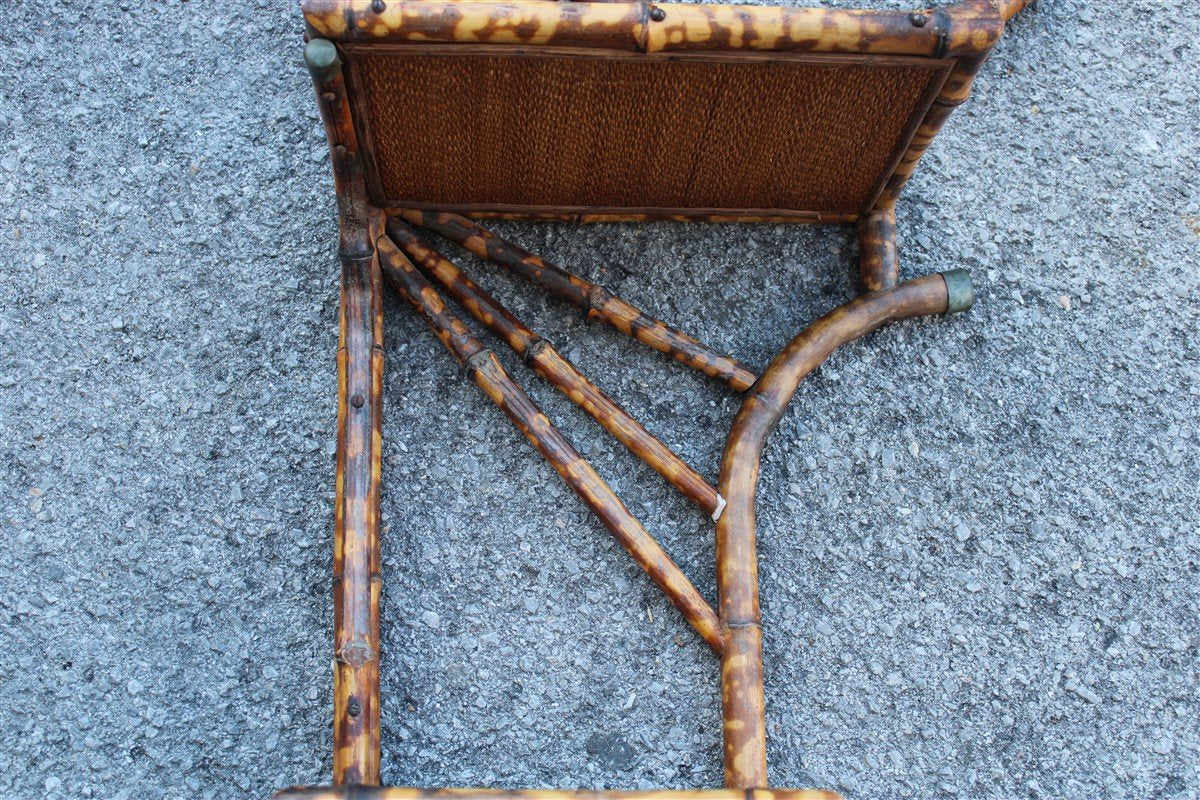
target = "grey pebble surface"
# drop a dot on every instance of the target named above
(979, 535)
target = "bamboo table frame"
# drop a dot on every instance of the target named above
(379, 241)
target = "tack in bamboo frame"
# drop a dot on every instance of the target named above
(380, 244)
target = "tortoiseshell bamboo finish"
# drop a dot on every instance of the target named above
(737, 562)
(961, 29)
(384, 793)
(877, 261)
(547, 362)
(595, 301)
(625, 215)
(489, 375)
(356, 579)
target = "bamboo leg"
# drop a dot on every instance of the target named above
(595, 301)
(547, 362)
(954, 93)
(356, 579)
(877, 260)
(488, 374)
(737, 563)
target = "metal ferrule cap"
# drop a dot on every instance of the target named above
(960, 292)
(321, 56)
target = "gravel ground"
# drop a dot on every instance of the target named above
(979, 535)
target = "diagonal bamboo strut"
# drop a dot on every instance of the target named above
(595, 301)
(737, 562)
(546, 361)
(488, 374)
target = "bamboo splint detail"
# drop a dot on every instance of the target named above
(737, 562)
(490, 376)
(595, 301)
(546, 361)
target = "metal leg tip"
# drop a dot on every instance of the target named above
(716, 515)
(321, 56)
(960, 292)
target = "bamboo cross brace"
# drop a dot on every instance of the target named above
(546, 361)
(737, 562)
(595, 301)
(490, 376)
(407, 793)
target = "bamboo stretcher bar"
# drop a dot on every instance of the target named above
(546, 361)
(489, 375)
(595, 301)
(959, 29)
(356, 580)
(737, 562)
(389, 793)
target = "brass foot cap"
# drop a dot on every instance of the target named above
(321, 56)
(960, 292)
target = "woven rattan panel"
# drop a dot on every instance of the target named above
(482, 128)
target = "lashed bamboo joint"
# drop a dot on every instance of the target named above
(863, 94)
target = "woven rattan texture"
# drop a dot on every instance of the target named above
(566, 131)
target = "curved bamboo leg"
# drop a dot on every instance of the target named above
(489, 375)
(737, 561)
(595, 301)
(544, 358)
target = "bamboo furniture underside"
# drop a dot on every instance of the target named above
(439, 113)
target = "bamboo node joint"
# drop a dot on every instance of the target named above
(356, 256)
(535, 349)
(943, 30)
(597, 297)
(476, 362)
(741, 625)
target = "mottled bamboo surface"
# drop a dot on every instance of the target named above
(1008, 605)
